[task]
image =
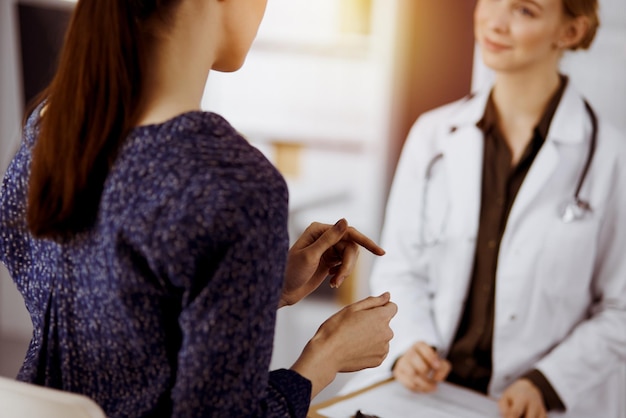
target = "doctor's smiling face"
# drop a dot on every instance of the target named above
(521, 35)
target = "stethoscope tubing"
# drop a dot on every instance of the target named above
(579, 204)
(592, 151)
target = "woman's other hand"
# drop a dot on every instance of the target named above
(355, 338)
(323, 250)
(420, 369)
(522, 400)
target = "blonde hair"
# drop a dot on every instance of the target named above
(588, 8)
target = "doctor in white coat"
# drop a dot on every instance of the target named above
(547, 312)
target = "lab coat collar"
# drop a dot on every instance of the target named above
(472, 110)
(568, 124)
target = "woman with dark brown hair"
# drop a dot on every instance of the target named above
(149, 239)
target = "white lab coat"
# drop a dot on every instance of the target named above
(560, 301)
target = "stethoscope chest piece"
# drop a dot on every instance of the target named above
(575, 210)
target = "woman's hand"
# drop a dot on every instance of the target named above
(322, 250)
(420, 369)
(522, 400)
(355, 338)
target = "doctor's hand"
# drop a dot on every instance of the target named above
(522, 400)
(420, 369)
(355, 338)
(322, 251)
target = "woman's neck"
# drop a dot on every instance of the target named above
(523, 96)
(169, 93)
(171, 88)
(178, 66)
(520, 100)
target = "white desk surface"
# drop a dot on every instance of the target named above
(389, 399)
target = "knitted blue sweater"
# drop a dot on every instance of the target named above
(167, 305)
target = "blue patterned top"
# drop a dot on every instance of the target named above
(167, 306)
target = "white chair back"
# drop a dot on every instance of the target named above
(24, 400)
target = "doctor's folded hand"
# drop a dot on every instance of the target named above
(421, 368)
(522, 400)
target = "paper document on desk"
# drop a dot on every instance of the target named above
(392, 400)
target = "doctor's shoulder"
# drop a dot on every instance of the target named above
(611, 146)
(611, 138)
(451, 108)
(608, 166)
(442, 116)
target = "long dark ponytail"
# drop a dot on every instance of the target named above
(90, 105)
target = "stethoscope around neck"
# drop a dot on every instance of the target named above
(577, 207)
(574, 210)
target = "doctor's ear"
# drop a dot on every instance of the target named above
(574, 33)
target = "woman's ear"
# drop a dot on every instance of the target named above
(573, 33)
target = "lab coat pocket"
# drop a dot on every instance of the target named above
(567, 259)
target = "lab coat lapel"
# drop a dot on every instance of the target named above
(539, 173)
(567, 127)
(462, 147)
(463, 144)
(463, 159)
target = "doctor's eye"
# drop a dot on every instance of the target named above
(525, 11)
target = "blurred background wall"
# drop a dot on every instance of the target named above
(328, 93)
